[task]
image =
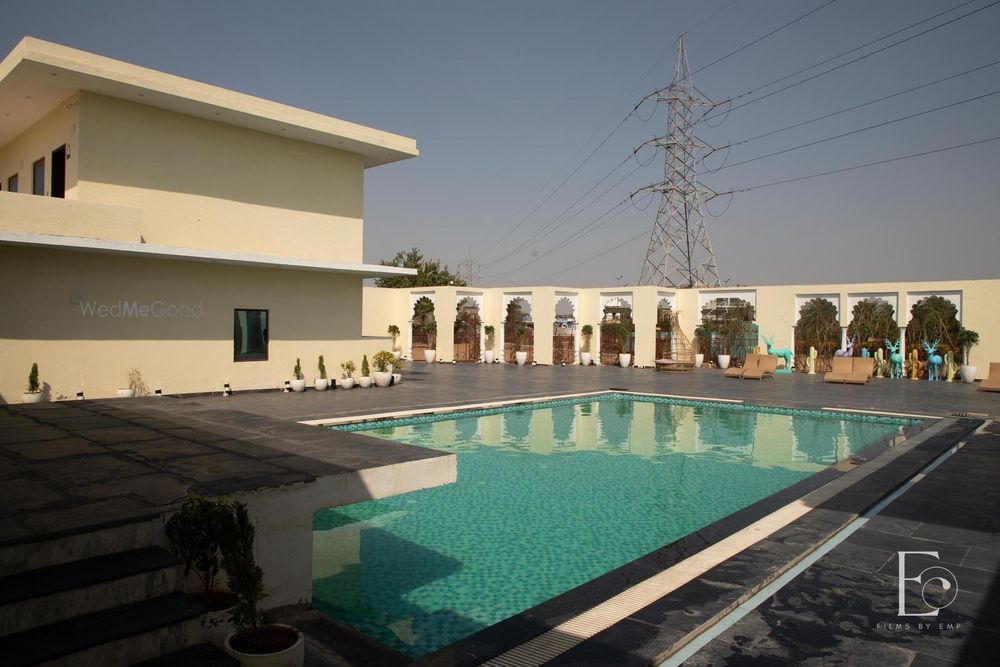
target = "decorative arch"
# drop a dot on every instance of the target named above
(616, 311)
(664, 327)
(564, 329)
(423, 306)
(517, 316)
(468, 328)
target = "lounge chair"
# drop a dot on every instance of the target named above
(766, 366)
(841, 367)
(750, 363)
(862, 370)
(992, 381)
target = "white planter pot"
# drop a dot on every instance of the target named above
(586, 358)
(490, 356)
(31, 397)
(321, 384)
(398, 353)
(216, 628)
(382, 378)
(429, 356)
(298, 386)
(347, 383)
(293, 656)
(397, 378)
(624, 359)
(126, 393)
(365, 382)
(968, 373)
(699, 360)
(521, 358)
(724, 360)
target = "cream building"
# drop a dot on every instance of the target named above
(195, 234)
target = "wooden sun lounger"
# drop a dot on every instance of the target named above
(992, 381)
(766, 366)
(862, 371)
(750, 363)
(841, 367)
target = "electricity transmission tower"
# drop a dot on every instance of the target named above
(680, 251)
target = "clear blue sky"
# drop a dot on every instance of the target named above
(505, 98)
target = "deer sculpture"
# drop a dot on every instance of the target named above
(934, 361)
(846, 352)
(782, 352)
(895, 359)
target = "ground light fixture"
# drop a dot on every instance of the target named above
(288, 387)
(228, 391)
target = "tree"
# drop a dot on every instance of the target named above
(818, 327)
(934, 318)
(430, 273)
(872, 320)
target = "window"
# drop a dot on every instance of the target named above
(38, 177)
(250, 335)
(12, 183)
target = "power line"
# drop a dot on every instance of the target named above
(763, 37)
(859, 166)
(863, 129)
(855, 107)
(597, 256)
(709, 116)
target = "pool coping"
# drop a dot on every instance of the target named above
(520, 628)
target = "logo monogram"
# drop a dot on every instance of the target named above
(938, 585)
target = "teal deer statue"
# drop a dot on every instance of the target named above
(895, 359)
(934, 361)
(782, 352)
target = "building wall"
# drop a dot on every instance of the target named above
(56, 128)
(776, 311)
(311, 313)
(204, 184)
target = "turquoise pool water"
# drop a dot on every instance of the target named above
(552, 496)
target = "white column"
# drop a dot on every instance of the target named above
(501, 357)
(843, 338)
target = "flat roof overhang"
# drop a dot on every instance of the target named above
(37, 76)
(153, 251)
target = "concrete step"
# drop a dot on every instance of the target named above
(111, 638)
(199, 655)
(110, 538)
(58, 592)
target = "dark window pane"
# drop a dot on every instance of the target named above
(38, 177)
(12, 183)
(250, 335)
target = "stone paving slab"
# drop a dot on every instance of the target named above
(844, 608)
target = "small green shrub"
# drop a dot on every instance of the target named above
(297, 371)
(383, 361)
(33, 386)
(195, 534)
(365, 368)
(348, 369)
(245, 577)
(322, 368)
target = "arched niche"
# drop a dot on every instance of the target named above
(564, 330)
(617, 329)
(468, 330)
(518, 330)
(422, 313)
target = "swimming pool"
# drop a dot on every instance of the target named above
(550, 496)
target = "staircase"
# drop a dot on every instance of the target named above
(102, 598)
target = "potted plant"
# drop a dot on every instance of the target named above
(967, 339)
(322, 382)
(34, 392)
(430, 328)
(255, 643)
(298, 379)
(620, 332)
(394, 333)
(397, 366)
(490, 355)
(365, 380)
(384, 362)
(701, 338)
(347, 374)
(136, 385)
(194, 533)
(587, 332)
(520, 356)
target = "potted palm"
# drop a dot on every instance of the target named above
(967, 339)
(394, 334)
(621, 332)
(384, 362)
(322, 382)
(430, 328)
(587, 332)
(34, 393)
(490, 332)
(255, 643)
(347, 374)
(194, 534)
(701, 338)
(520, 356)
(298, 382)
(365, 380)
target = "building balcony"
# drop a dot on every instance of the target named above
(32, 214)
